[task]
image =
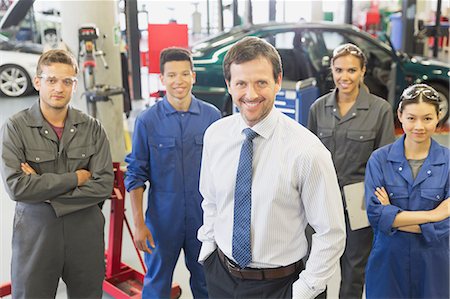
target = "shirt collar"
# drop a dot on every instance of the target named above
(362, 100)
(36, 119)
(194, 107)
(266, 126)
(397, 152)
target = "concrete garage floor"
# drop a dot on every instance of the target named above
(10, 106)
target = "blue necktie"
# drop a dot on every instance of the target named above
(241, 250)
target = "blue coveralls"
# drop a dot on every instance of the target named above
(401, 264)
(167, 150)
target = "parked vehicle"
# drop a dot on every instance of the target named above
(306, 50)
(18, 61)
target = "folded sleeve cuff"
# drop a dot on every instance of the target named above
(428, 232)
(131, 184)
(300, 290)
(387, 219)
(72, 179)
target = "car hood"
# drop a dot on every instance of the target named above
(15, 13)
(431, 62)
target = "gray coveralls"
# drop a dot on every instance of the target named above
(58, 227)
(368, 125)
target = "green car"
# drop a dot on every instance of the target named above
(306, 50)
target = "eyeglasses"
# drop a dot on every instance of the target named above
(348, 48)
(414, 91)
(52, 81)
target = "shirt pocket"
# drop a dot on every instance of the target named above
(431, 198)
(360, 144)
(79, 157)
(42, 161)
(398, 196)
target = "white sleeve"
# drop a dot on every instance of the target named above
(206, 232)
(322, 201)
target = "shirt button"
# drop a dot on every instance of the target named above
(38, 159)
(320, 134)
(46, 132)
(438, 197)
(391, 194)
(361, 137)
(400, 169)
(334, 110)
(72, 130)
(83, 155)
(353, 113)
(182, 114)
(429, 172)
(160, 145)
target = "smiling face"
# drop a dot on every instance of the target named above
(178, 79)
(419, 121)
(55, 92)
(347, 74)
(253, 88)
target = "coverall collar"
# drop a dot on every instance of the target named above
(362, 100)
(36, 119)
(397, 152)
(194, 107)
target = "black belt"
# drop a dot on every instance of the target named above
(259, 274)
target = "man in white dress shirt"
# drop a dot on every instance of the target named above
(293, 182)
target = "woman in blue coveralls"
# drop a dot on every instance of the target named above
(407, 199)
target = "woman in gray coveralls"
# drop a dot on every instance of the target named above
(351, 123)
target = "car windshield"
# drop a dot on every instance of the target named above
(219, 39)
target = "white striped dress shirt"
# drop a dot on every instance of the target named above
(294, 182)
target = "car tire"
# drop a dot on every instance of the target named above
(443, 94)
(14, 81)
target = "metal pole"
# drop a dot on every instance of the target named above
(208, 25)
(133, 37)
(234, 8)
(349, 12)
(249, 12)
(272, 10)
(408, 17)
(220, 15)
(437, 28)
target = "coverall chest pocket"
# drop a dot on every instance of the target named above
(162, 155)
(360, 144)
(398, 196)
(42, 161)
(326, 136)
(431, 198)
(79, 157)
(198, 147)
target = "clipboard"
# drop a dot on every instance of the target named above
(356, 208)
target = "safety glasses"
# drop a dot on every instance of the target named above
(347, 48)
(52, 81)
(414, 91)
